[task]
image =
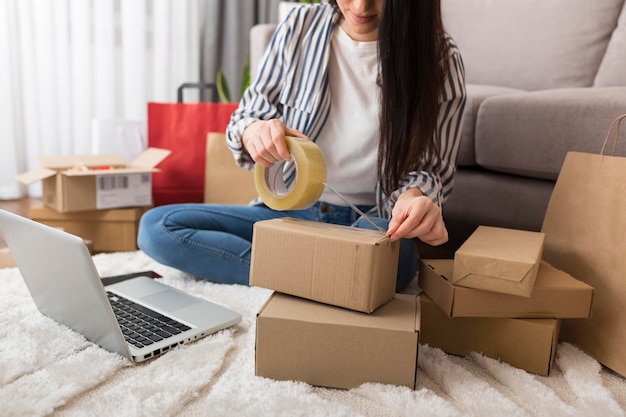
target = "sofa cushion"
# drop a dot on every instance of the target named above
(529, 134)
(476, 94)
(531, 44)
(612, 70)
(502, 200)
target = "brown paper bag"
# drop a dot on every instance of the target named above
(585, 235)
(224, 181)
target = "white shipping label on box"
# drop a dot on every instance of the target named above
(124, 190)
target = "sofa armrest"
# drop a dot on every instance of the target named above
(529, 134)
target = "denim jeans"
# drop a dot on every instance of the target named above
(214, 242)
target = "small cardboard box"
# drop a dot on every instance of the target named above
(528, 344)
(556, 294)
(500, 260)
(95, 182)
(298, 339)
(109, 230)
(338, 265)
(224, 181)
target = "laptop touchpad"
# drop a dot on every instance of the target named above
(170, 300)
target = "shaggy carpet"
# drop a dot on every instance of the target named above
(47, 369)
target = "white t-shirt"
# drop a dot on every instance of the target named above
(349, 139)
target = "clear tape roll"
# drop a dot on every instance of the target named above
(309, 182)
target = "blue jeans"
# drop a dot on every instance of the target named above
(214, 242)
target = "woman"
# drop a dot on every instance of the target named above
(379, 86)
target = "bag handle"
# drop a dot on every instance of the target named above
(615, 124)
(202, 86)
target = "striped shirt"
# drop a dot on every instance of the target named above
(292, 85)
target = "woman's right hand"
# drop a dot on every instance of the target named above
(265, 141)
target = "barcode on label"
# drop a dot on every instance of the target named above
(112, 182)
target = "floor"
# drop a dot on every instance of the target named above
(21, 207)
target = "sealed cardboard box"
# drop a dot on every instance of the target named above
(301, 340)
(338, 265)
(108, 230)
(95, 182)
(499, 259)
(222, 172)
(528, 344)
(556, 294)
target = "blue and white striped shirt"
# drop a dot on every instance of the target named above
(292, 85)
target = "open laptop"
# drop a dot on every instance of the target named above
(65, 285)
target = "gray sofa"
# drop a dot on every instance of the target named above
(543, 77)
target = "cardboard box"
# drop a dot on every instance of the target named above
(225, 182)
(95, 182)
(338, 265)
(298, 339)
(109, 230)
(6, 259)
(500, 260)
(556, 294)
(528, 344)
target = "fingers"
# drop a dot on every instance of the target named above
(265, 141)
(295, 133)
(418, 217)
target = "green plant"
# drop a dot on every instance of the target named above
(223, 89)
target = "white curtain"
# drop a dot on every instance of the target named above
(64, 63)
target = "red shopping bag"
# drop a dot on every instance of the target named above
(183, 128)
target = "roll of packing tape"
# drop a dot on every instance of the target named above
(308, 185)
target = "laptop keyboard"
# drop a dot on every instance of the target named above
(140, 325)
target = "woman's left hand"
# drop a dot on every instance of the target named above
(415, 215)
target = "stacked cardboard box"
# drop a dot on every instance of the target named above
(497, 297)
(334, 319)
(97, 197)
(110, 230)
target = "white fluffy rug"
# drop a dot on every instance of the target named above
(46, 369)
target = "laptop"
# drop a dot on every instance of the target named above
(138, 318)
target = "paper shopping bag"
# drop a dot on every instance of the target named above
(225, 182)
(183, 128)
(585, 235)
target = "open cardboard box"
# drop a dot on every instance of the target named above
(302, 340)
(337, 265)
(528, 344)
(94, 182)
(500, 260)
(556, 294)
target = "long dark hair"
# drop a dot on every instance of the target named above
(413, 63)
(413, 58)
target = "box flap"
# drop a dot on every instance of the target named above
(492, 268)
(61, 162)
(556, 294)
(150, 158)
(35, 175)
(327, 230)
